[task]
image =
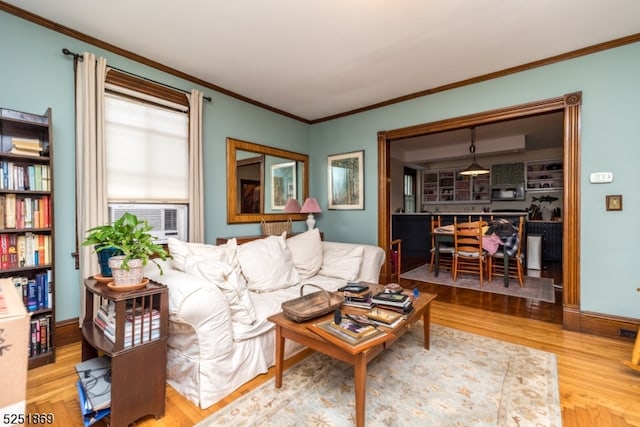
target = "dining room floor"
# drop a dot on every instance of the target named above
(538, 310)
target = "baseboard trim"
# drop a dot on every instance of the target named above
(68, 332)
(604, 325)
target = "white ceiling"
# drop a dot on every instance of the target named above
(318, 58)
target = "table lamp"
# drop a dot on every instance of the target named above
(310, 206)
(292, 206)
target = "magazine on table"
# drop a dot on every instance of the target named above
(95, 380)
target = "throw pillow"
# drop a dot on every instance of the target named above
(306, 252)
(341, 263)
(226, 253)
(266, 264)
(226, 279)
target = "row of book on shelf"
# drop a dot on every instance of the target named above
(40, 330)
(382, 309)
(24, 177)
(141, 324)
(24, 250)
(24, 212)
(35, 291)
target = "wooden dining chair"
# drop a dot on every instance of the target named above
(495, 263)
(395, 256)
(469, 256)
(445, 253)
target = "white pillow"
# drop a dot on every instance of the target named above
(306, 252)
(266, 264)
(226, 253)
(226, 279)
(341, 263)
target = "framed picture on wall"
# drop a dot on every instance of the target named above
(283, 184)
(346, 180)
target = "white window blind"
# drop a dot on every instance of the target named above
(147, 150)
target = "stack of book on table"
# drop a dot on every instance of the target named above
(141, 326)
(357, 295)
(393, 301)
(349, 333)
(94, 389)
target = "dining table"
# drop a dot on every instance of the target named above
(445, 234)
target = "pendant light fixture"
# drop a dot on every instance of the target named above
(473, 169)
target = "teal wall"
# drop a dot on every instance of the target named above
(610, 142)
(34, 75)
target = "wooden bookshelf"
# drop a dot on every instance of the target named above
(26, 222)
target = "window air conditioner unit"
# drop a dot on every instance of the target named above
(166, 220)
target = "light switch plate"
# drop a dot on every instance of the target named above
(601, 177)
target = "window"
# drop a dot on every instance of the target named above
(147, 151)
(409, 190)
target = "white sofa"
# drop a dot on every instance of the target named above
(220, 298)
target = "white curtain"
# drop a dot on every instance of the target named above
(91, 185)
(196, 190)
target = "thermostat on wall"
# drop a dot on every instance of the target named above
(601, 177)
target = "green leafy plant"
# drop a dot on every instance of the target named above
(131, 236)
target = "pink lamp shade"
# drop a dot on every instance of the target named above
(310, 206)
(292, 206)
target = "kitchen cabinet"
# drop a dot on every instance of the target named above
(415, 232)
(551, 232)
(448, 186)
(545, 175)
(507, 174)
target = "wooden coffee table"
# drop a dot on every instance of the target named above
(301, 333)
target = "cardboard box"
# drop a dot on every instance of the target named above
(14, 339)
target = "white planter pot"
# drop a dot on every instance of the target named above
(121, 276)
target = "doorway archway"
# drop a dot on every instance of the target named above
(570, 104)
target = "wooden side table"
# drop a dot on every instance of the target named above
(138, 367)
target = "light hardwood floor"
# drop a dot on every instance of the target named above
(595, 388)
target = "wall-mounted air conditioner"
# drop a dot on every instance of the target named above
(166, 220)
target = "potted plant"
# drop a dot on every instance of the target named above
(132, 238)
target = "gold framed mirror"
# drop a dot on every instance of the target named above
(260, 179)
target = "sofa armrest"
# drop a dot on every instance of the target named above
(198, 304)
(372, 260)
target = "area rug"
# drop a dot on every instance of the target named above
(536, 288)
(463, 380)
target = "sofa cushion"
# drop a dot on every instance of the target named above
(226, 253)
(226, 279)
(266, 264)
(341, 262)
(306, 252)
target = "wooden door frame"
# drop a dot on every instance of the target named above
(570, 104)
